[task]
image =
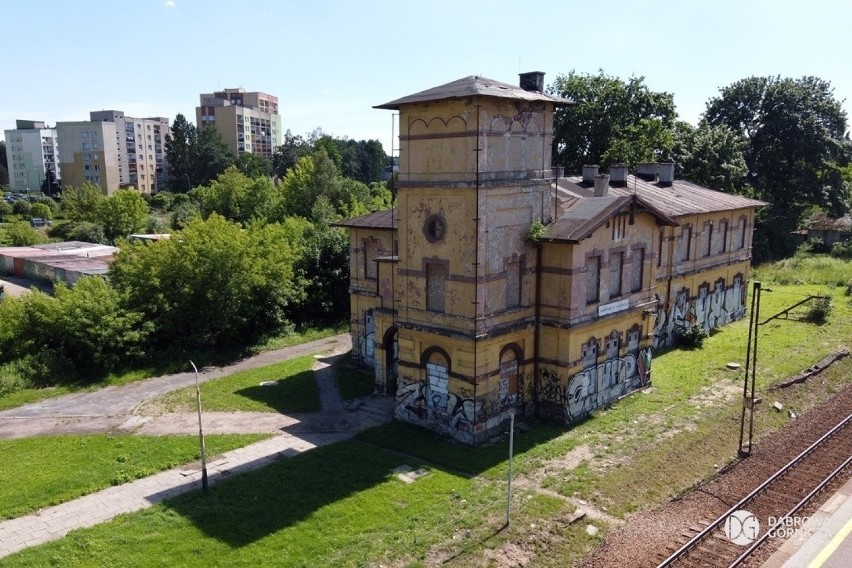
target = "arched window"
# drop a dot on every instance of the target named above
(437, 364)
(509, 370)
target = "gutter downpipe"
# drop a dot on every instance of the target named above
(477, 152)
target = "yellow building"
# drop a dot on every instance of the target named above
(465, 318)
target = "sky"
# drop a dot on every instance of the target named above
(330, 62)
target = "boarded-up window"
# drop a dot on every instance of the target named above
(660, 243)
(513, 285)
(436, 278)
(437, 382)
(371, 251)
(508, 378)
(638, 262)
(743, 228)
(708, 239)
(723, 236)
(593, 279)
(616, 273)
(685, 243)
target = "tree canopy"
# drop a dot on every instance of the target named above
(610, 117)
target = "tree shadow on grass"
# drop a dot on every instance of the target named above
(295, 393)
(245, 508)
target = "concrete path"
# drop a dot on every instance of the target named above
(112, 408)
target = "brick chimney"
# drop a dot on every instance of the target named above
(532, 81)
(647, 171)
(601, 185)
(589, 173)
(618, 175)
(667, 174)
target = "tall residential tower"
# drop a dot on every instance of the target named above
(249, 122)
(30, 152)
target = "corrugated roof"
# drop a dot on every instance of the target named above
(473, 86)
(577, 221)
(378, 220)
(681, 198)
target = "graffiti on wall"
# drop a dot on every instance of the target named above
(709, 309)
(602, 384)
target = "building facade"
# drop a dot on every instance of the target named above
(88, 153)
(498, 286)
(31, 151)
(140, 143)
(249, 122)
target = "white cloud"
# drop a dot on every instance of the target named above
(169, 4)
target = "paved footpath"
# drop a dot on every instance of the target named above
(299, 433)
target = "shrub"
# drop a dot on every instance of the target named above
(79, 231)
(20, 234)
(691, 337)
(5, 209)
(842, 250)
(819, 310)
(40, 211)
(22, 207)
(52, 204)
(537, 231)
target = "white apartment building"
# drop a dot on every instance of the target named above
(31, 150)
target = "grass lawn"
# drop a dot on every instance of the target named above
(46, 470)
(352, 381)
(295, 390)
(338, 505)
(25, 395)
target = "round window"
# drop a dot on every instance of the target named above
(435, 228)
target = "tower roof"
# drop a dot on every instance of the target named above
(473, 86)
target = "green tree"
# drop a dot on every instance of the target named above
(4, 172)
(5, 210)
(254, 165)
(795, 149)
(649, 140)
(40, 211)
(180, 144)
(50, 186)
(210, 156)
(711, 156)
(22, 208)
(288, 153)
(311, 177)
(183, 213)
(239, 198)
(21, 234)
(84, 231)
(324, 267)
(80, 203)
(606, 108)
(214, 284)
(122, 214)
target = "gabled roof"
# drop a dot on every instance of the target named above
(680, 198)
(474, 86)
(584, 216)
(379, 220)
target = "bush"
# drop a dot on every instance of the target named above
(53, 205)
(842, 250)
(691, 337)
(79, 231)
(22, 207)
(20, 234)
(40, 211)
(819, 310)
(5, 209)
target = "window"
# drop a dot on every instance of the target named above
(619, 227)
(436, 277)
(593, 279)
(371, 251)
(508, 390)
(437, 381)
(685, 242)
(743, 228)
(85, 145)
(723, 241)
(708, 239)
(638, 262)
(616, 272)
(660, 243)
(435, 228)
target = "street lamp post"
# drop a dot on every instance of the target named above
(200, 432)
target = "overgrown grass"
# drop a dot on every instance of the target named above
(43, 471)
(293, 389)
(806, 269)
(353, 381)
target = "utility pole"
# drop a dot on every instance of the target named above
(200, 432)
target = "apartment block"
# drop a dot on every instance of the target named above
(249, 122)
(31, 150)
(88, 153)
(140, 144)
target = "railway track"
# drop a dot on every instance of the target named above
(735, 536)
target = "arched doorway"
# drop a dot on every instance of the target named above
(391, 343)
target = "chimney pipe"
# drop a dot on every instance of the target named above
(667, 174)
(532, 81)
(589, 173)
(618, 175)
(647, 171)
(601, 185)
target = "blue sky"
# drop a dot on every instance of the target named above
(329, 62)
